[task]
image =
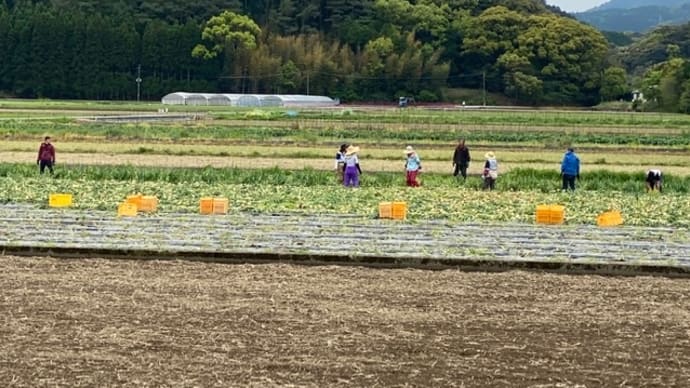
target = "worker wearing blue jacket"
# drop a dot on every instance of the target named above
(570, 169)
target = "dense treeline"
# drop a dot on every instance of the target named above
(56, 53)
(352, 49)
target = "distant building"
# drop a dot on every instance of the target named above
(637, 96)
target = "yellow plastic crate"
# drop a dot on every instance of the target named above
(399, 210)
(206, 205)
(134, 199)
(148, 204)
(610, 218)
(550, 214)
(220, 205)
(127, 209)
(60, 200)
(386, 210)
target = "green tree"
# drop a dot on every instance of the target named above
(289, 74)
(566, 55)
(523, 87)
(613, 84)
(235, 36)
(227, 32)
(684, 101)
(485, 39)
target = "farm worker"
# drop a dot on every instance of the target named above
(412, 166)
(490, 171)
(340, 163)
(46, 156)
(570, 169)
(461, 159)
(654, 180)
(352, 169)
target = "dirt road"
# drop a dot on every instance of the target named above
(129, 323)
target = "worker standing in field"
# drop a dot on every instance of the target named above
(46, 156)
(352, 169)
(570, 169)
(461, 159)
(654, 180)
(412, 166)
(340, 163)
(490, 174)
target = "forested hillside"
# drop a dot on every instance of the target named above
(630, 4)
(351, 49)
(639, 19)
(660, 62)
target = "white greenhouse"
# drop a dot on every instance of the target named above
(248, 100)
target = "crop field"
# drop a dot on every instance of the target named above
(265, 160)
(178, 323)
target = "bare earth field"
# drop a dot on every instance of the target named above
(132, 323)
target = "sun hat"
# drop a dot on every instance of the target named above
(409, 149)
(351, 150)
(490, 155)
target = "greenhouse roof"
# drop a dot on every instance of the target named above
(254, 100)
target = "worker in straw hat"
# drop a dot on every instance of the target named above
(352, 169)
(412, 166)
(490, 171)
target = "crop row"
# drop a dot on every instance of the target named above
(513, 180)
(307, 134)
(444, 202)
(471, 117)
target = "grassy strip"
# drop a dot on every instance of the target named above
(514, 180)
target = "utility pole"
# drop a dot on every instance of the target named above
(307, 83)
(138, 83)
(484, 87)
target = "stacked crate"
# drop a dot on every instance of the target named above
(393, 210)
(137, 203)
(550, 214)
(211, 205)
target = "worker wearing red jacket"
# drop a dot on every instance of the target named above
(46, 156)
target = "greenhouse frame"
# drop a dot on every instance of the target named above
(248, 100)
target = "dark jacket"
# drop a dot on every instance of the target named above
(571, 164)
(461, 156)
(46, 153)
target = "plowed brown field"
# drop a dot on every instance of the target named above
(131, 323)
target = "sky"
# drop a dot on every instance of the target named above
(576, 5)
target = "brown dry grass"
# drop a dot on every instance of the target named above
(128, 323)
(631, 156)
(298, 163)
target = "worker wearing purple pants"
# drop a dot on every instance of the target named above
(352, 169)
